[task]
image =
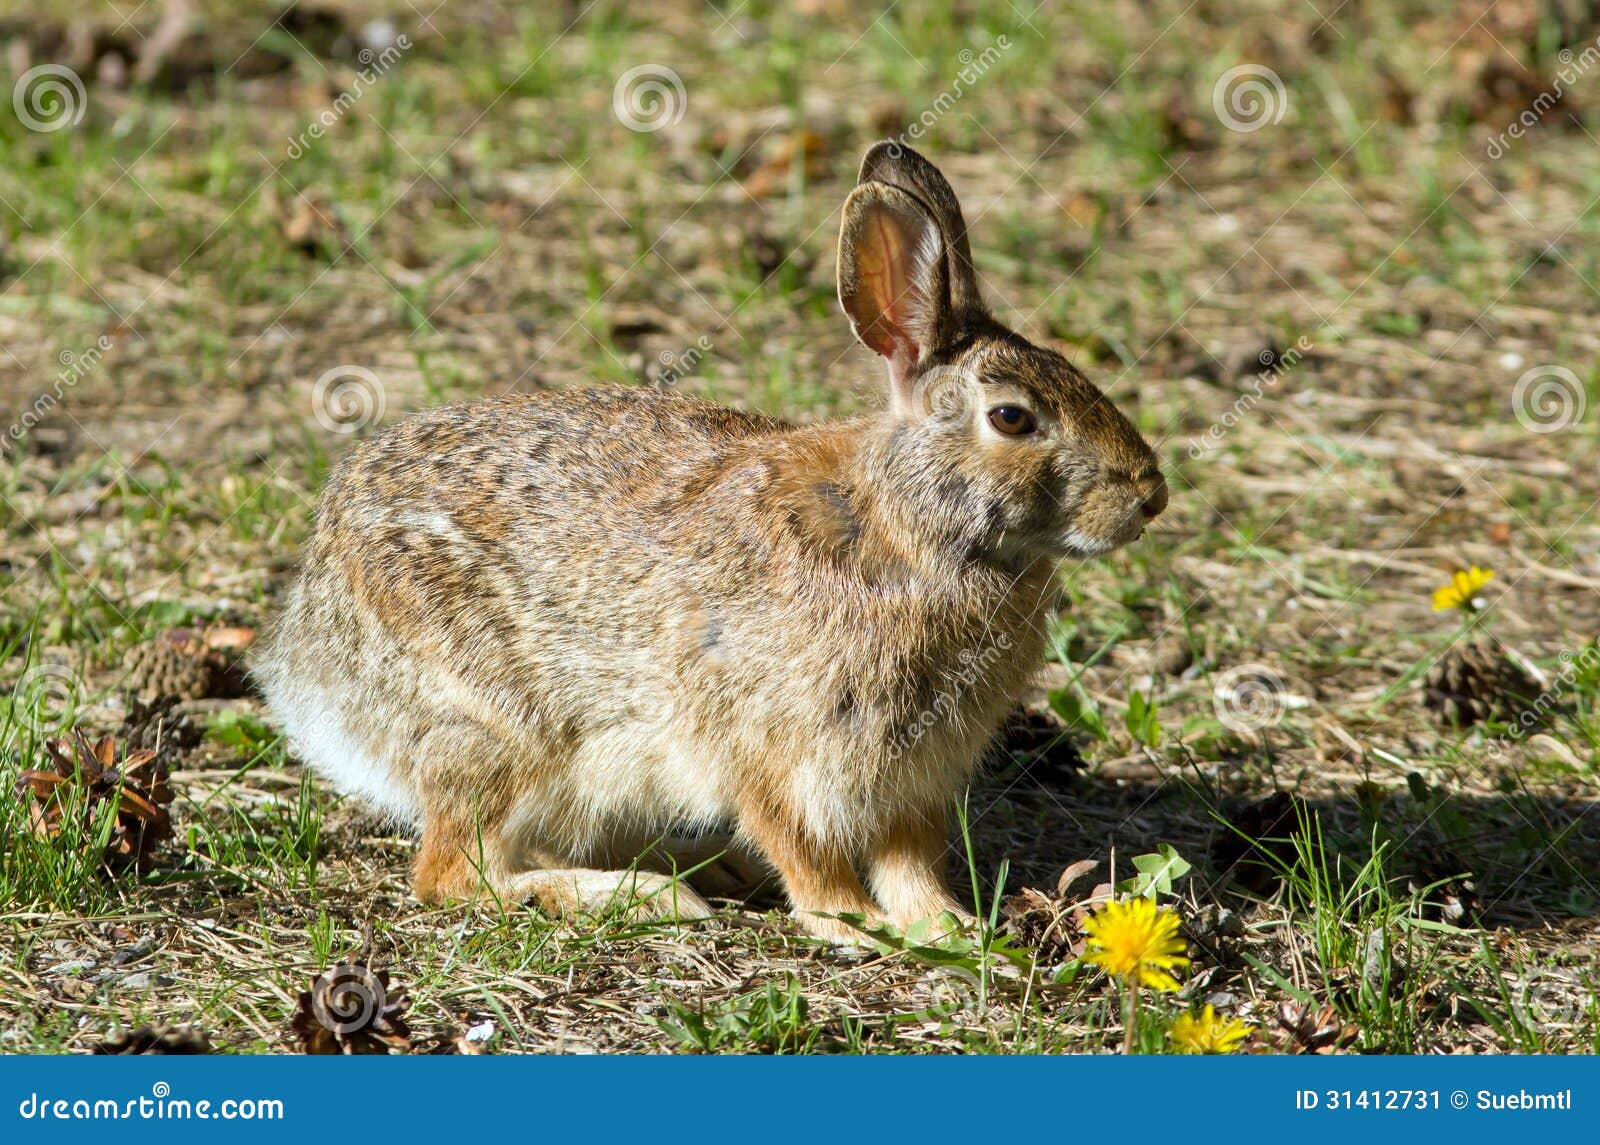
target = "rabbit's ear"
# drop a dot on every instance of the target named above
(893, 282)
(896, 164)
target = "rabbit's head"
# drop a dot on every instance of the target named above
(992, 446)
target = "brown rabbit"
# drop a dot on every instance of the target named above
(548, 628)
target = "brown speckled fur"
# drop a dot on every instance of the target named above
(550, 628)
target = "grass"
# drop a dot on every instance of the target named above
(479, 220)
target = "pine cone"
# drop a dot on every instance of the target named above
(1052, 924)
(348, 1011)
(190, 663)
(1452, 892)
(1479, 681)
(1315, 1031)
(1042, 922)
(84, 782)
(176, 663)
(157, 725)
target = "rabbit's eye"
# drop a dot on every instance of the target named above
(1013, 421)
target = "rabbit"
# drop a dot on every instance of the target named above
(546, 628)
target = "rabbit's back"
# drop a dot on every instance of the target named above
(466, 521)
(530, 457)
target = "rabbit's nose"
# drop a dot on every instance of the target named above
(1153, 490)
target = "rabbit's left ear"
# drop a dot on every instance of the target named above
(898, 165)
(893, 281)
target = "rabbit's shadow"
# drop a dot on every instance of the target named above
(1527, 859)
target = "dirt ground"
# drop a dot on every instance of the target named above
(1338, 260)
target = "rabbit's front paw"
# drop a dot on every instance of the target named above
(832, 929)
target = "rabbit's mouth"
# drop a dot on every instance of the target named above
(1112, 516)
(1074, 542)
(1132, 530)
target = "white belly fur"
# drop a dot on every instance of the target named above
(318, 735)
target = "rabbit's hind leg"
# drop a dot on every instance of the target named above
(568, 891)
(479, 847)
(460, 857)
(449, 868)
(454, 863)
(716, 864)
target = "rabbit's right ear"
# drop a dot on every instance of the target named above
(893, 282)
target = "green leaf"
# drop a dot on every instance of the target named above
(1141, 720)
(1077, 711)
(1067, 973)
(1157, 873)
(957, 950)
(239, 730)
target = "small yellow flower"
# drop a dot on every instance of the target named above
(1205, 1033)
(1462, 590)
(1136, 941)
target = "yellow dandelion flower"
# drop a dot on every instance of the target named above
(1138, 942)
(1206, 1033)
(1462, 590)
